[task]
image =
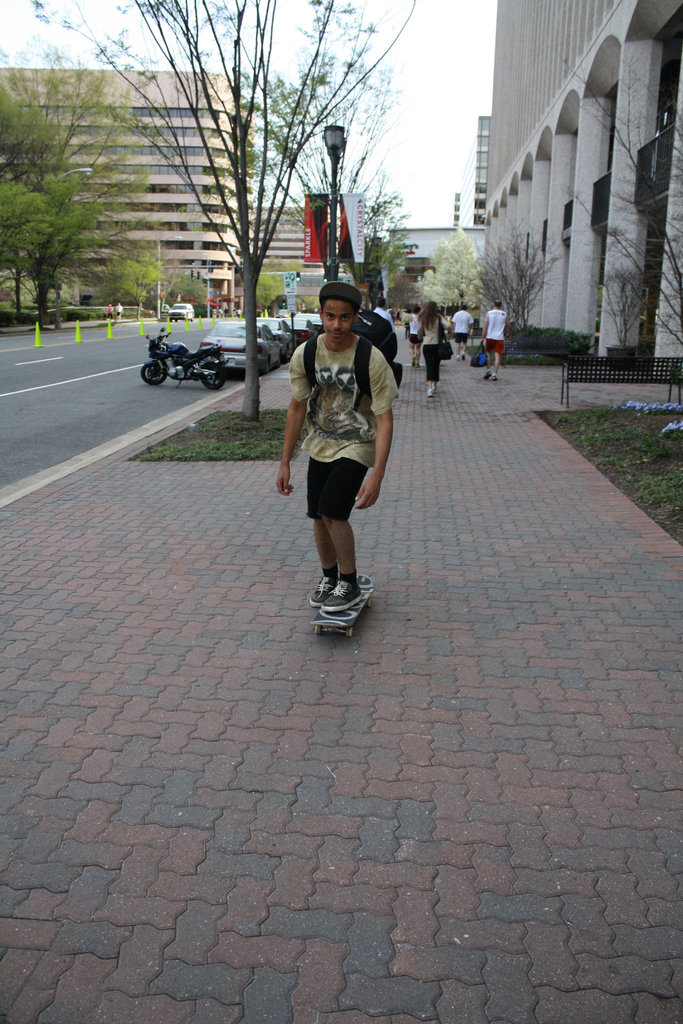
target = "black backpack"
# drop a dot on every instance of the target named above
(372, 329)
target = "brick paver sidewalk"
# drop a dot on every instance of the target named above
(467, 813)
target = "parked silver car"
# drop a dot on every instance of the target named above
(282, 330)
(231, 335)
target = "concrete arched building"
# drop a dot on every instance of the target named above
(586, 161)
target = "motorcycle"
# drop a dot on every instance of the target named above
(173, 359)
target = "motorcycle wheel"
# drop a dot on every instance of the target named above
(155, 373)
(215, 378)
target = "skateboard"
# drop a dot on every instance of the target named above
(343, 622)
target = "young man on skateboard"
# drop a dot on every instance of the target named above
(348, 435)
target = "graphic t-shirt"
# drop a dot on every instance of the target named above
(336, 429)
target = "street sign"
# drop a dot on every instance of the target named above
(290, 282)
(291, 303)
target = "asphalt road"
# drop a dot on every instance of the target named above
(66, 398)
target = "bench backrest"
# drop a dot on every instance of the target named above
(606, 369)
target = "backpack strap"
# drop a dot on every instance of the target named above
(310, 349)
(361, 369)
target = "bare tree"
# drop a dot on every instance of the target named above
(220, 56)
(513, 271)
(623, 296)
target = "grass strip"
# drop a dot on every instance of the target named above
(223, 437)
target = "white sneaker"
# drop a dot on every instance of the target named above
(430, 392)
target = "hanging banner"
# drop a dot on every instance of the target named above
(316, 227)
(352, 227)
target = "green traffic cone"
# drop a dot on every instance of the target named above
(200, 324)
(168, 325)
(187, 324)
(38, 343)
(78, 331)
(142, 327)
(109, 330)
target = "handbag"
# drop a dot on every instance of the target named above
(444, 349)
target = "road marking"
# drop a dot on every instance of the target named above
(20, 488)
(37, 362)
(74, 380)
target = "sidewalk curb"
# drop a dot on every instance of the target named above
(13, 492)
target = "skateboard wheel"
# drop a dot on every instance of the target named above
(318, 630)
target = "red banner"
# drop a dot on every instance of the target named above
(316, 227)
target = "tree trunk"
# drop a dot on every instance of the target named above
(250, 404)
(17, 292)
(41, 296)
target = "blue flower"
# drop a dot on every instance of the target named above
(647, 408)
(672, 428)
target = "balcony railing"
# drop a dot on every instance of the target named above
(600, 208)
(567, 221)
(654, 168)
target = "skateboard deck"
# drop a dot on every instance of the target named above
(343, 622)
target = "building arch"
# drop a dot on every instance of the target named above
(514, 184)
(527, 168)
(604, 72)
(544, 150)
(652, 17)
(568, 119)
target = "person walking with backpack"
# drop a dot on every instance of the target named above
(432, 323)
(349, 433)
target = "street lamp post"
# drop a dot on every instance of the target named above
(334, 143)
(58, 305)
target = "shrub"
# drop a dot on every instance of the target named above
(577, 344)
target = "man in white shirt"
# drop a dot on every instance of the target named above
(462, 325)
(381, 308)
(496, 330)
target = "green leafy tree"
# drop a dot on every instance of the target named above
(23, 219)
(270, 287)
(63, 146)
(456, 277)
(139, 277)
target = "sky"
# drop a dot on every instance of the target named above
(443, 67)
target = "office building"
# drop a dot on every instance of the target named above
(473, 190)
(586, 161)
(186, 240)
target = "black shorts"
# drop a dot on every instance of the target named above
(461, 339)
(333, 487)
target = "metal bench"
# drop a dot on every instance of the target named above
(608, 370)
(540, 346)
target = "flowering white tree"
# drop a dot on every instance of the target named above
(456, 278)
